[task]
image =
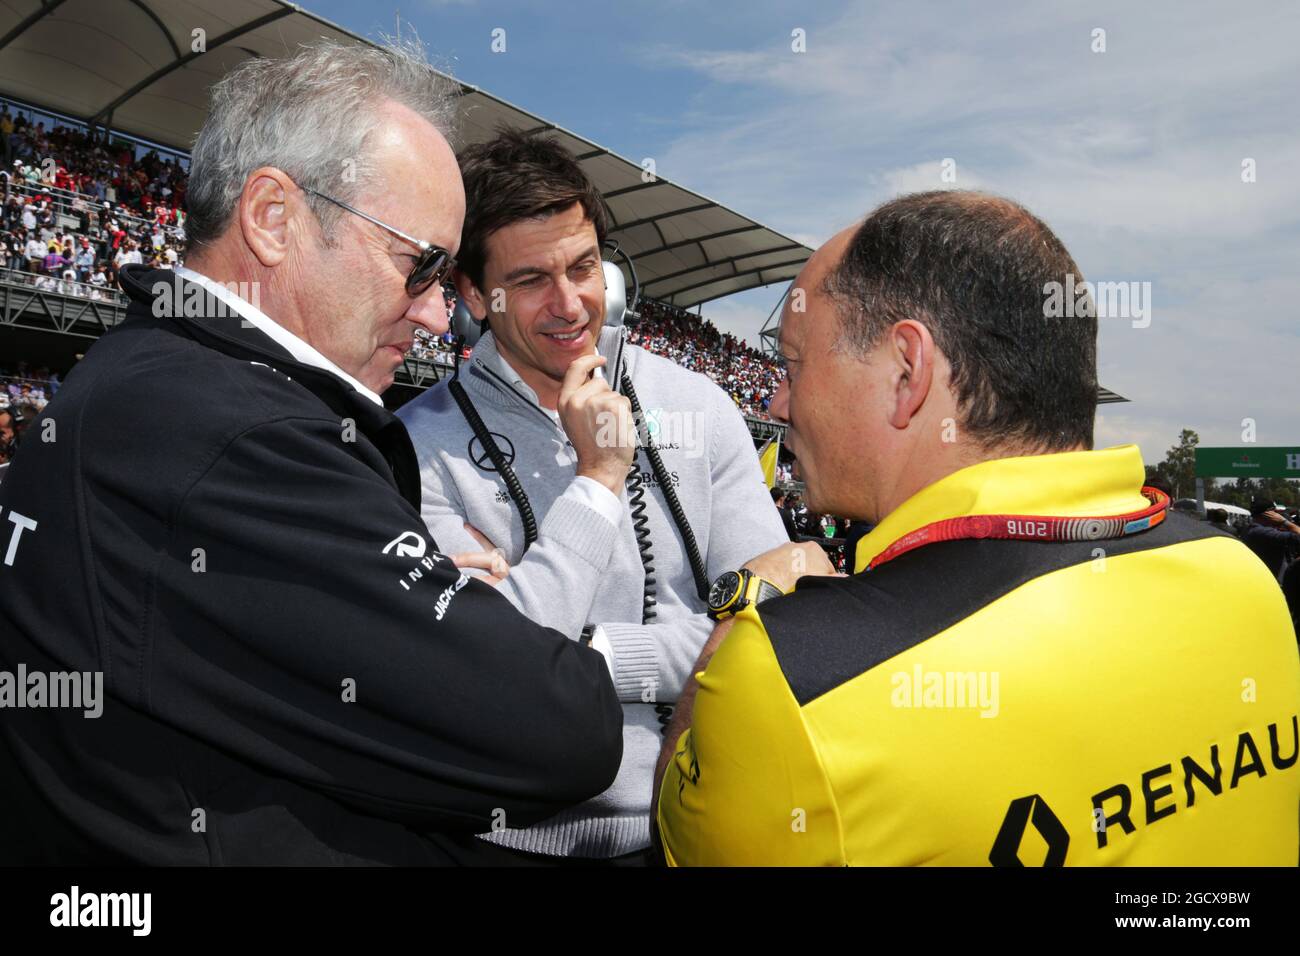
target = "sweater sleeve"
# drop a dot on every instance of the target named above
(326, 640)
(556, 580)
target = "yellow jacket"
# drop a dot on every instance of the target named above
(1127, 701)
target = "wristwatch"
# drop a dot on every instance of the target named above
(734, 591)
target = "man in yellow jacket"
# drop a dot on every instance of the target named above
(1034, 662)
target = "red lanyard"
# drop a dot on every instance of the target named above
(1031, 528)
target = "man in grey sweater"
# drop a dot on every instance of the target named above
(530, 260)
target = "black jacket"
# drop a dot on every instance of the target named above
(215, 537)
(1275, 546)
(787, 519)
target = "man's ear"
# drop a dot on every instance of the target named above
(267, 206)
(470, 295)
(910, 349)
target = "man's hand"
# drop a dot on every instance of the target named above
(599, 422)
(1280, 521)
(490, 559)
(787, 563)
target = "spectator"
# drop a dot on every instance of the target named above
(14, 246)
(85, 260)
(35, 253)
(127, 254)
(854, 531)
(1291, 591)
(799, 512)
(787, 516)
(1272, 537)
(1218, 518)
(53, 262)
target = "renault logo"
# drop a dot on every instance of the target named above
(1022, 812)
(408, 544)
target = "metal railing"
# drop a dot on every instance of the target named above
(68, 287)
(48, 304)
(71, 204)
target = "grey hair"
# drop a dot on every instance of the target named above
(312, 116)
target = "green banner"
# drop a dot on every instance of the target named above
(1248, 462)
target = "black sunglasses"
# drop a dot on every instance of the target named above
(433, 265)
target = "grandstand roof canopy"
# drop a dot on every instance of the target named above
(130, 65)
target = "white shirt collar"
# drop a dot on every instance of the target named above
(255, 317)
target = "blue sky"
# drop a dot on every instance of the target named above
(1133, 155)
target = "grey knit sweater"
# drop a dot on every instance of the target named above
(582, 569)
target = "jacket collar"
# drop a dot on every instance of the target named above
(1073, 484)
(194, 311)
(252, 315)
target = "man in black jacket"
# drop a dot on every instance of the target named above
(786, 512)
(218, 519)
(1271, 535)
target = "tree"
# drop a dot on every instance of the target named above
(1281, 490)
(1179, 465)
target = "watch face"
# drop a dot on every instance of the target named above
(724, 589)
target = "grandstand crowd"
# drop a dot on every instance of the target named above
(748, 376)
(74, 209)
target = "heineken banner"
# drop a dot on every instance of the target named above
(1248, 462)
